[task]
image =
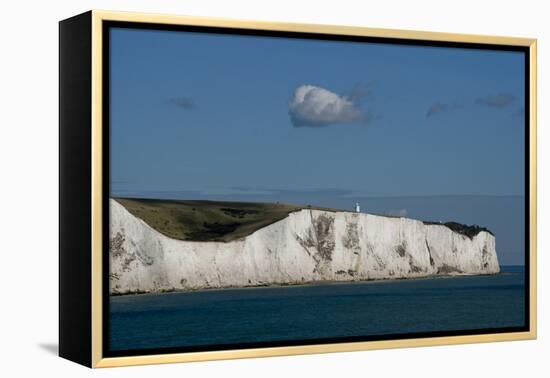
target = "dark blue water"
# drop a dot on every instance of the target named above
(317, 311)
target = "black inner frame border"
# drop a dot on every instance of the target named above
(107, 25)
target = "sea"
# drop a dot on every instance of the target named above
(317, 311)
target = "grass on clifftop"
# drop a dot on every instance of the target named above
(207, 220)
(226, 221)
(464, 229)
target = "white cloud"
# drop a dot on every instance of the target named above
(315, 106)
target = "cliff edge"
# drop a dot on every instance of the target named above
(308, 245)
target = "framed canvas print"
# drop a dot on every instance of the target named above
(235, 189)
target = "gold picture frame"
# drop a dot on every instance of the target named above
(92, 326)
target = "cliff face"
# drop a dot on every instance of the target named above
(307, 246)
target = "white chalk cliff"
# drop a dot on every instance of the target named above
(306, 246)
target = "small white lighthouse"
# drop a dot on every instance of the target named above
(357, 207)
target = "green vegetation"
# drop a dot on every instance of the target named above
(207, 220)
(227, 221)
(464, 229)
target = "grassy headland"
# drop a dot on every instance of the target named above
(207, 220)
(201, 220)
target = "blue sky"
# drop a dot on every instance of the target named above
(256, 118)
